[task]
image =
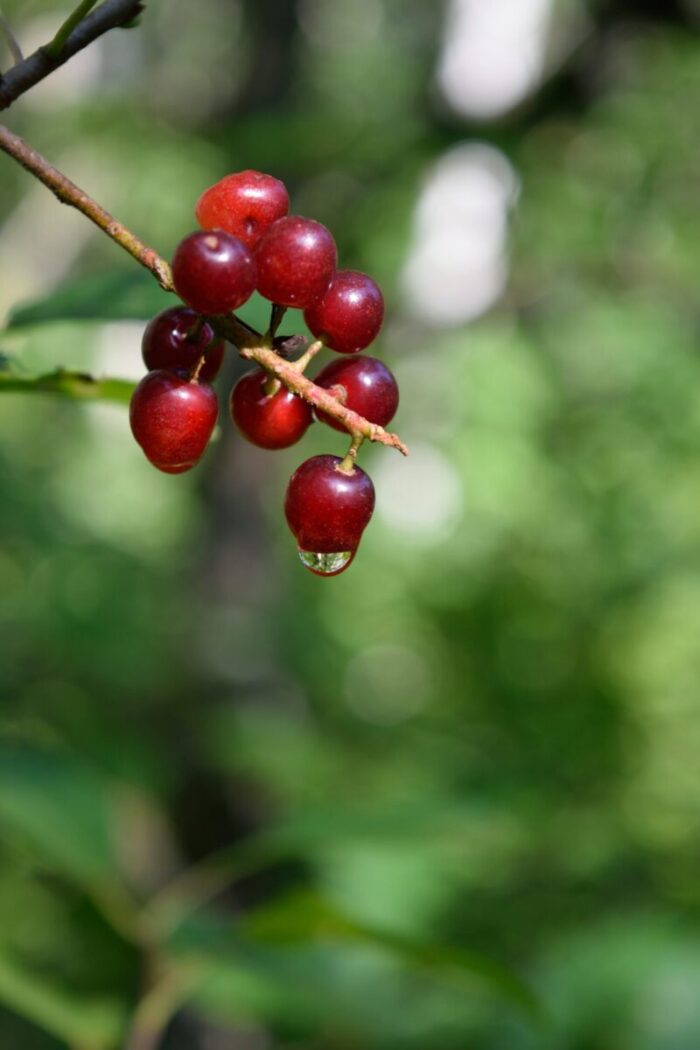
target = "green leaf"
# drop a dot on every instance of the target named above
(97, 1023)
(75, 385)
(114, 296)
(304, 916)
(59, 811)
(301, 957)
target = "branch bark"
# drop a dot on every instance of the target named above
(68, 193)
(109, 15)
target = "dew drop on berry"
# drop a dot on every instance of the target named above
(326, 564)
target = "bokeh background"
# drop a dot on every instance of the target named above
(452, 797)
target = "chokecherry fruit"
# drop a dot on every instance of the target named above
(296, 260)
(175, 340)
(172, 418)
(349, 314)
(273, 421)
(365, 385)
(327, 510)
(213, 272)
(243, 204)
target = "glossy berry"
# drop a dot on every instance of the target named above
(213, 272)
(350, 313)
(243, 204)
(296, 260)
(176, 339)
(327, 509)
(172, 419)
(365, 385)
(268, 420)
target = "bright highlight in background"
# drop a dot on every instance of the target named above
(420, 496)
(493, 54)
(457, 266)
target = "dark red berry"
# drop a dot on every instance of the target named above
(213, 272)
(328, 510)
(296, 259)
(243, 204)
(268, 420)
(176, 339)
(350, 313)
(172, 419)
(365, 385)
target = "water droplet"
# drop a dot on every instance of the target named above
(326, 564)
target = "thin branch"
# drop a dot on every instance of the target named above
(68, 193)
(11, 39)
(78, 386)
(290, 376)
(165, 992)
(109, 15)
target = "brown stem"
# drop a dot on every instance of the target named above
(294, 380)
(26, 74)
(165, 989)
(68, 193)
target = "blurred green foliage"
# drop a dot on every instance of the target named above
(450, 798)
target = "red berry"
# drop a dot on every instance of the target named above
(368, 387)
(213, 272)
(172, 419)
(170, 342)
(243, 204)
(328, 510)
(268, 420)
(296, 259)
(350, 313)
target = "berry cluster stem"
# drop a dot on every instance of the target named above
(294, 380)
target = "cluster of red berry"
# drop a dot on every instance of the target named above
(249, 242)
